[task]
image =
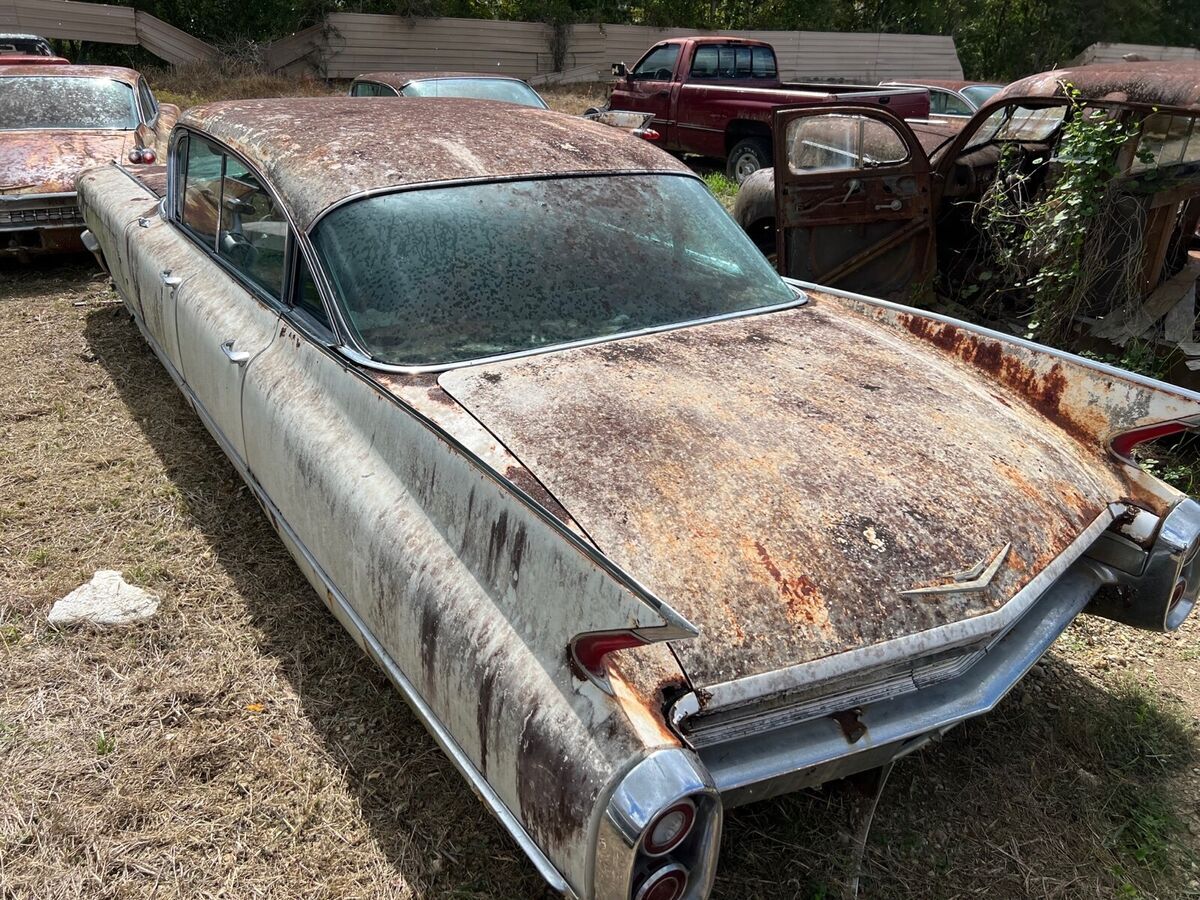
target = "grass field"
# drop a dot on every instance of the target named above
(239, 744)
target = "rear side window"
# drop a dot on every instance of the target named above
(149, 104)
(199, 210)
(658, 64)
(371, 89)
(733, 61)
(945, 103)
(228, 210)
(306, 297)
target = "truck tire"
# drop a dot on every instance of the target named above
(748, 155)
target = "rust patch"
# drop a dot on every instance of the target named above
(804, 601)
(1042, 391)
(852, 727)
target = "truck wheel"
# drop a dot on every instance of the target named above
(748, 155)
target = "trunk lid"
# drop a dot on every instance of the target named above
(46, 162)
(780, 479)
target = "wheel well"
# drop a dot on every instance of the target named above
(739, 129)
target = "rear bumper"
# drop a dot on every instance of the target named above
(32, 224)
(810, 753)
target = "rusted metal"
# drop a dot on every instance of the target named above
(314, 152)
(730, 515)
(44, 162)
(1166, 83)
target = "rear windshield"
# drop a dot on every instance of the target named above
(445, 275)
(505, 89)
(980, 94)
(65, 102)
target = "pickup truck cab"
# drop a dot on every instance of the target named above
(715, 97)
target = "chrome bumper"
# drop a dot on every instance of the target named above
(810, 753)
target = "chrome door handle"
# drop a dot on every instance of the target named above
(894, 206)
(237, 357)
(171, 281)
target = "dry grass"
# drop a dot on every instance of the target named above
(240, 745)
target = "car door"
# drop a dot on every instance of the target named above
(227, 313)
(852, 200)
(649, 86)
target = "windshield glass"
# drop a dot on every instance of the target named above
(65, 102)
(504, 89)
(980, 93)
(1018, 124)
(446, 275)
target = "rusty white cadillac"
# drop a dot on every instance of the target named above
(640, 530)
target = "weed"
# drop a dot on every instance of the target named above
(9, 635)
(723, 188)
(104, 744)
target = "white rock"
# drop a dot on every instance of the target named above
(105, 600)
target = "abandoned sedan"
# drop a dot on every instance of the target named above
(55, 121)
(473, 86)
(640, 530)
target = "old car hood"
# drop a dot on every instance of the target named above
(46, 162)
(781, 479)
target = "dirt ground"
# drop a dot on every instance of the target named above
(239, 744)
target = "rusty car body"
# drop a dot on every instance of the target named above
(639, 529)
(892, 218)
(469, 85)
(55, 121)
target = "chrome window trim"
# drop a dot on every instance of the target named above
(355, 352)
(371, 644)
(296, 239)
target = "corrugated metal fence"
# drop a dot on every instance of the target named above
(1110, 53)
(348, 44)
(351, 43)
(100, 22)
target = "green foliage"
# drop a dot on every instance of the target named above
(723, 188)
(1050, 225)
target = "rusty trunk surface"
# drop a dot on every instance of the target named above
(47, 162)
(780, 479)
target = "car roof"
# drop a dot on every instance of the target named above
(1166, 83)
(317, 151)
(400, 79)
(18, 36)
(948, 84)
(114, 73)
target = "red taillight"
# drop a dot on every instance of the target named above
(669, 829)
(1122, 445)
(668, 883)
(148, 156)
(589, 650)
(135, 155)
(649, 134)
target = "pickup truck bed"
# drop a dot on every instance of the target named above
(725, 111)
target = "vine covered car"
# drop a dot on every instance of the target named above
(641, 530)
(55, 121)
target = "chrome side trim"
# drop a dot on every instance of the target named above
(744, 690)
(355, 356)
(362, 635)
(819, 750)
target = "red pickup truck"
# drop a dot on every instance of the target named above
(715, 96)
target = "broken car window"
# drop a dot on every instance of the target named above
(834, 142)
(66, 102)
(450, 274)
